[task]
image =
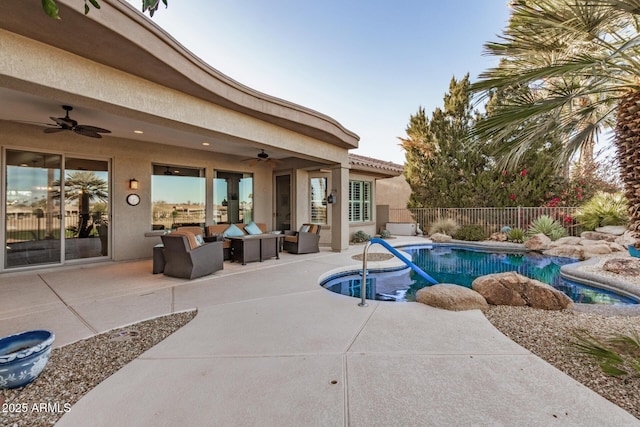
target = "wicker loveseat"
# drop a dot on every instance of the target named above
(186, 258)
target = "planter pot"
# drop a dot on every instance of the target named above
(634, 252)
(23, 356)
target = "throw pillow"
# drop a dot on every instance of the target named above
(305, 228)
(252, 228)
(233, 231)
(199, 239)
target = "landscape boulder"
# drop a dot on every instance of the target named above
(567, 251)
(617, 230)
(627, 266)
(498, 236)
(569, 240)
(451, 297)
(595, 249)
(595, 235)
(626, 239)
(511, 288)
(538, 242)
(440, 238)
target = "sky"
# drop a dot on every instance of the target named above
(367, 64)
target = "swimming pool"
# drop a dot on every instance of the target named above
(461, 265)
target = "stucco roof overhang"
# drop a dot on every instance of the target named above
(119, 36)
(371, 166)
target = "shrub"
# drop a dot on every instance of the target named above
(446, 226)
(473, 233)
(515, 235)
(360, 237)
(385, 234)
(548, 226)
(617, 354)
(603, 209)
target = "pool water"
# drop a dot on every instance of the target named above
(449, 264)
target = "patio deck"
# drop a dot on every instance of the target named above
(270, 347)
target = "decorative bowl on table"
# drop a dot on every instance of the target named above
(23, 356)
(634, 252)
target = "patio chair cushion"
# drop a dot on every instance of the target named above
(233, 231)
(191, 238)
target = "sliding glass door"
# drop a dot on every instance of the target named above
(46, 223)
(86, 208)
(32, 212)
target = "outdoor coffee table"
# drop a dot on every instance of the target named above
(257, 247)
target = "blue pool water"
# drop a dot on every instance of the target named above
(449, 264)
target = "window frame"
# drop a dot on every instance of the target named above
(360, 201)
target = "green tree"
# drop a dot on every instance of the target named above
(579, 60)
(445, 168)
(51, 8)
(441, 168)
(85, 186)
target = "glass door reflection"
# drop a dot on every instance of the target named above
(32, 216)
(86, 206)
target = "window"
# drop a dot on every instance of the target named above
(359, 201)
(232, 197)
(178, 196)
(318, 200)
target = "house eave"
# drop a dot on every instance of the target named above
(119, 36)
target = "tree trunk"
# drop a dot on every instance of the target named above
(627, 145)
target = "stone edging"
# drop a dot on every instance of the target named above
(573, 272)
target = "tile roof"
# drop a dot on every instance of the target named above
(369, 164)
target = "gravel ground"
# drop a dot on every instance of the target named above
(73, 370)
(549, 334)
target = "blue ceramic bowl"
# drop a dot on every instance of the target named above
(634, 252)
(23, 356)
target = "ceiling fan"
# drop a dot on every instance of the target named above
(67, 123)
(263, 157)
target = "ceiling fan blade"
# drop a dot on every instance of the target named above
(64, 122)
(54, 130)
(81, 130)
(253, 162)
(94, 129)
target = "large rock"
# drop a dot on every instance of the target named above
(451, 297)
(498, 236)
(617, 230)
(538, 242)
(591, 251)
(515, 289)
(440, 238)
(626, 239)
(565, 241)
(627, 266)
(594, 235)
(567, 251)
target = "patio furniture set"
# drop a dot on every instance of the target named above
(191, 252)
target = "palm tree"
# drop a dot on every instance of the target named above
(85, 186)
(580, 63)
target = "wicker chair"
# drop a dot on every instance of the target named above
(186, 259)
(304, 241)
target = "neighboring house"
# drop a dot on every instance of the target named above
(187, 144)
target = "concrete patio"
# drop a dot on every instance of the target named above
(269, 347)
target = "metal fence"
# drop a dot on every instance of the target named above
(492, 219)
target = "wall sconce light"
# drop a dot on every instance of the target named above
(133, 184)
(332, 197)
